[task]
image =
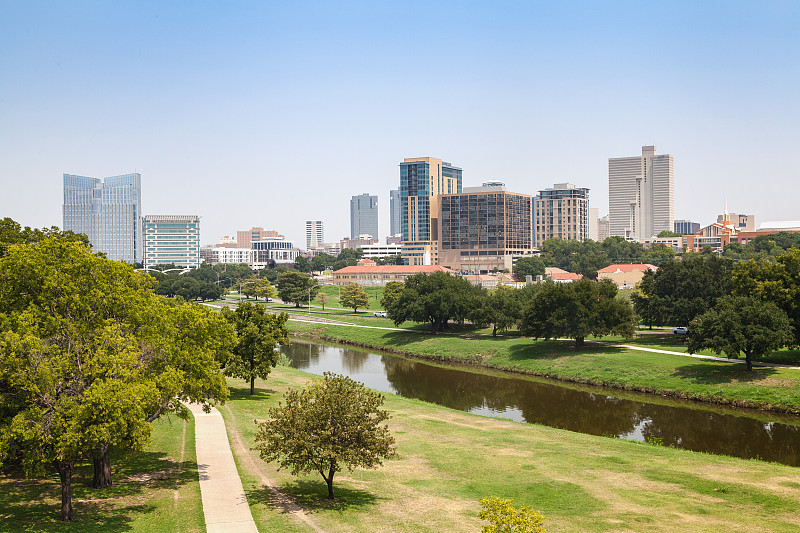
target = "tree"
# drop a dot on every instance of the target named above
(258, 334)
(332, 424)
(322, 298)
(577, 310)
(302, 264)
(296, 287)
(391, 291)
(263, 288)
(688, 287)
(777, 282)
(657, 253)
(650, 307)
(11, 232)
(501, 308)
(741, 325)
(81, 360)
(529, 266)
(435, 298)
(503, 518)
(354, 296)
(667, 233)
(322, 262)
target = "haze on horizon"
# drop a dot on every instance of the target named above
(271, 114)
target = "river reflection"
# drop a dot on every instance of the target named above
(596, 412)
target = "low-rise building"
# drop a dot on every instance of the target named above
(367, 273)
(171, 239)
(625, 276)
(561, 276)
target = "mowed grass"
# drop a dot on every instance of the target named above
(449, 460)
(675, 375)
(155, 490)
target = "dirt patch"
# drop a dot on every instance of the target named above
(777, 382)
(150, 477)
(278, 499)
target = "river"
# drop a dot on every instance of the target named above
(593, 410)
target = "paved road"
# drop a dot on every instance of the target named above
(224, 502)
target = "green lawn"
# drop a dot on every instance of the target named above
(449, 460)
(674, 375)
(156, 490)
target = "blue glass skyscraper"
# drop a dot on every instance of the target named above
(108, 212)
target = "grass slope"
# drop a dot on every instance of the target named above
(720, 382)
(448, 460)
(155, 490)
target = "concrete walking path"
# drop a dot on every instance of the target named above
(224, 502)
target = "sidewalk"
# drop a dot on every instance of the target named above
(224, 503)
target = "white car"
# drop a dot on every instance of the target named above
(380, 314)
(680, 331)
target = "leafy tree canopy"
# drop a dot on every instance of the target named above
(296, 287)
(354, 296)
(577, 310)
(333, 424)
(435, 298)
(529, 266)
(11, 232)
(258, 335)
(741, 325)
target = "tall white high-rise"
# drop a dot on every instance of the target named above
(171, 240)
(315, 237)
(641, 194)
(394, 212)
(108, 212)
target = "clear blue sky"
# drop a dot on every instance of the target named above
(272, 113)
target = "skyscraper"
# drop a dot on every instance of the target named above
(172, 239)
(109, 213)
(641, 194)
(363, 216)
(561, 212)
(315, 237)
(394, 212)
(422, 180)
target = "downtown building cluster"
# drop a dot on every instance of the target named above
(109, 213)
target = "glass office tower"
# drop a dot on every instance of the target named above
(108, 212)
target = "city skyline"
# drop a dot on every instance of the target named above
(216, 107)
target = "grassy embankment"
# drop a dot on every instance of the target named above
(155, 490)
(673, 375)
(448, 460)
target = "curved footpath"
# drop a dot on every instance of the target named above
(224, 502)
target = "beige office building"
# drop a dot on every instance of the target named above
(561, 212)
(422, 181)
(641, 194)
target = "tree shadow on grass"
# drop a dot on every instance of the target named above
(34, 504)
(243, 393)
(313, 496)
(717, 374)
(544, 350)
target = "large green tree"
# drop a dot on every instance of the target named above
(11, 232)
(354, 296)
(685, 288)
(296, 287)
(529, 266)
(577, 310)
(741, 325)
(773, 281)
(500, 308)
(258, 335)
(434, 298)
(333, 424)
(90, 355)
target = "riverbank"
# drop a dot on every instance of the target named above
(448, 460)
(767, 388)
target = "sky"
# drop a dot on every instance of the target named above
(273, 113)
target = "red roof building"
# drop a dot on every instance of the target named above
(625, 276)
(373, 275)
(561, 276)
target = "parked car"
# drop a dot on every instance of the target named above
(680, 331)
(380, 314)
